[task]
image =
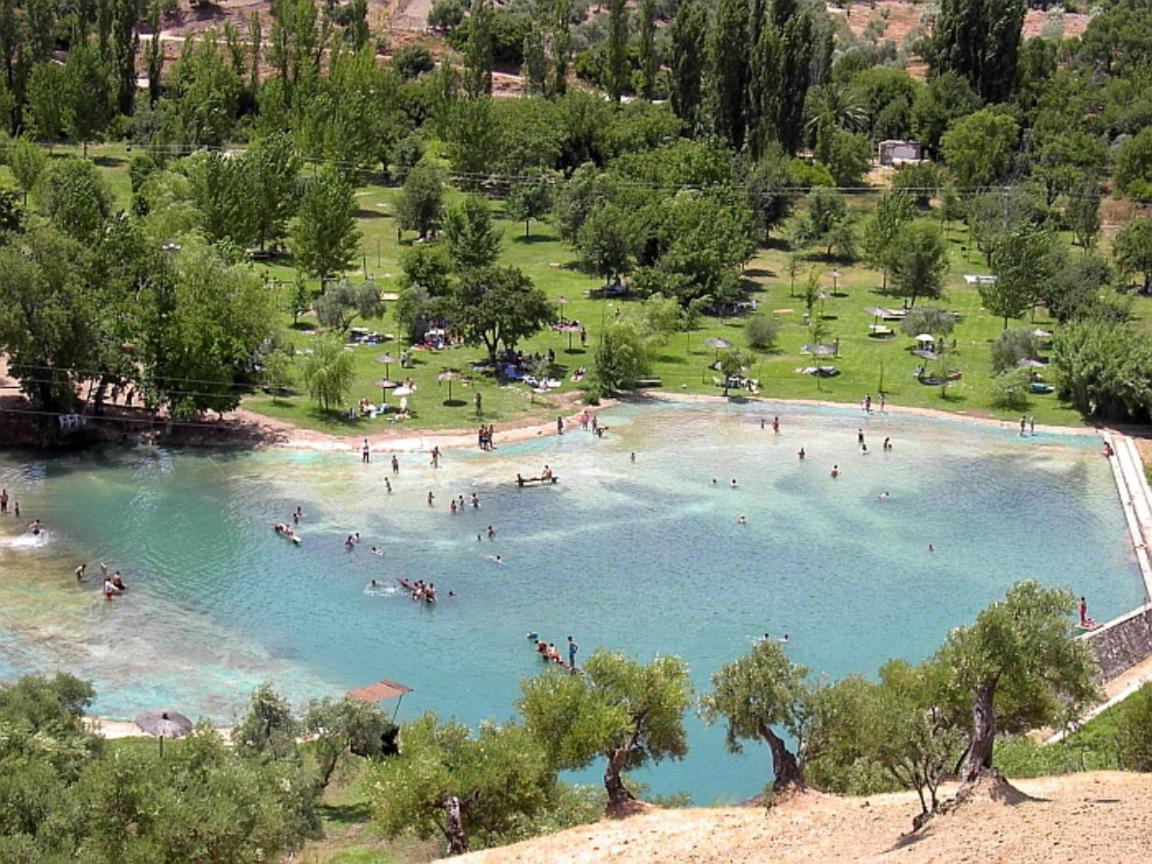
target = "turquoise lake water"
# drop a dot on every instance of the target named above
(644, 557)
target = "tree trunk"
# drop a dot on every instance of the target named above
(788, 772)
(454, 830)
(526, 221)
(983, 733)
(618, 794)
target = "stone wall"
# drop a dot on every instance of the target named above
(1123, 642)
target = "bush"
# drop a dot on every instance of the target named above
(1010, 390)
(1010, 347)
(446, 15)
(762, 332)
(411, 61)
(1134, 730)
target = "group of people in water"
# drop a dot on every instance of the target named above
(113, 582)
(549, 653)
(4, 504)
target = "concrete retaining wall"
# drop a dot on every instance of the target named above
(1123, 642)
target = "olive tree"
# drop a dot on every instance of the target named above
(759, 691)
(337, 727)
(1015, 668)
(460, 785)
(628, 712)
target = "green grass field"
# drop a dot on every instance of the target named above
(867, 364)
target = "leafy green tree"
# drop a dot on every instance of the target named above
(27, 162)
(1065, 159)
(980, 149)
(326, 237)
(881, 236)
(907, 732)
(472, 140)
(980, 40)
(205, 93)
(606, 242)
(46, 718)
(629, 713)
(76, 198)
(421, 200)
(762, 690)
(928, 319)
(687, 33)
(1012, 346)
(826, 220)
(87, 94)
(223, 192)
(919, 181)
(1133, 171)
(300, 300)
(529, 198)
(204, 320)
(1010, 389)
(342, 301)
(328, 373)
(706, 240)
(469, 235)
(1083, 214)
(427, 267)
(495, 306)
(762, 332)
(770, 187)
(278, 372)
(848, 158)
(1075, 288)
(344, 726)
(765, 98)
(622, 358)
(272, 168)
(462, 786)
(799, 39)
(1102, 367)
(1133, 248)
(1022, 261)
(920, 261)
(47, 100)
(1016, 668)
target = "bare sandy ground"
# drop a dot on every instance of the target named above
(1079, 818)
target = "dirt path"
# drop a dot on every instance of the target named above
(1085, 818)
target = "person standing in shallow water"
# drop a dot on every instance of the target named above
(366, 452)
(395, 464)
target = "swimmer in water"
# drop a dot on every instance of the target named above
(931, 548)
(491, 533)
(800, 453)
(349, 543)
(36, 527)
(733, 484)
(387, 485)
(372, 585)
(884, 496)
(478, 538)
(783, 640)
(81, 572)
(431, 498)
(495, 559)
(835, 471)
(713, 481)
(743, 520)
(376, 551)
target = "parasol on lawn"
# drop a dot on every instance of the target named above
(387, 360)
(449, 376)
(836, 276)
(819, 350)
(385, 385)
(164, 724)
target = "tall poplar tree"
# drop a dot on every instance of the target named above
(478, 51)
(764, 93)
(687, 33)
(728, 55)
(617, 57)
(648, 64)
(798, 33)
(980, 40)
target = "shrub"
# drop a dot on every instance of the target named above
(410, 61)
(762, 332)
(1010, 389)
(1134, 730)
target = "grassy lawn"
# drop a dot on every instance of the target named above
(867, 364)
(1090, 748)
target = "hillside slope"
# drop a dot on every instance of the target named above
(1105, 816)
